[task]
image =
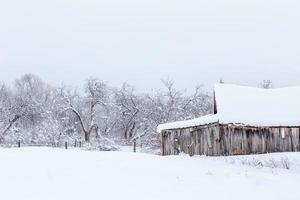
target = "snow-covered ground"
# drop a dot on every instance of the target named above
(57, 174)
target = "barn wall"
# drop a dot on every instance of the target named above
(246, 140)
(193, 141)
(216, 140)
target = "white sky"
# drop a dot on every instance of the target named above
(141, 41)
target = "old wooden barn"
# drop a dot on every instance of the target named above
(246, 120)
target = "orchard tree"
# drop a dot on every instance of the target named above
(128, 105)
(95, 96)
(9, 111)
(37, 105)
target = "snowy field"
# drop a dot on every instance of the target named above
(57, 174)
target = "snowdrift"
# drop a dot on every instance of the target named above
(48, 173)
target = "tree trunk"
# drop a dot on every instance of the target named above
(87, 136)
(11, 123)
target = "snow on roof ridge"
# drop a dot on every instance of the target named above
(255, 87)
(204, 120)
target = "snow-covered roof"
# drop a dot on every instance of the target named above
(257, 106)
(250, 106)
(208, 119)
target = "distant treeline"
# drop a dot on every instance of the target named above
(35, 112)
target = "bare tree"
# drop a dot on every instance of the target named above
(128, 107)
(96, 94)
(9, 110)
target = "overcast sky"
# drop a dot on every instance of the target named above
(141, 41)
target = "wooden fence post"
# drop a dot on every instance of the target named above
(134, 145)
(66, 145)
